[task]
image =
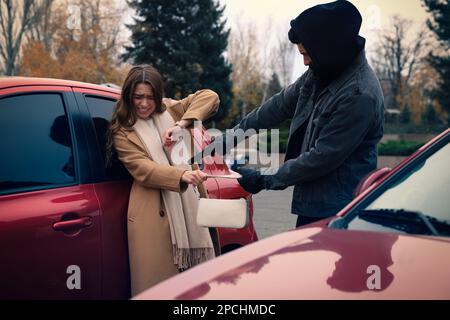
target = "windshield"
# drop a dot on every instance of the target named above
(416, 201)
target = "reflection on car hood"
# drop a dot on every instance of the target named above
(320, 263)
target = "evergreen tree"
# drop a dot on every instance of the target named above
(185, 40)
(273, 86)
(439, 24)
(430, 115)
(405, 115)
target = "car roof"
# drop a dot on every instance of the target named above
(443, 135)
(8, 82)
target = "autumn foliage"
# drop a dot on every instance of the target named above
(86, 54)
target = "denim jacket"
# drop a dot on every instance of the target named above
(332, 143)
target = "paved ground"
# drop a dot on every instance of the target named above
(272, 208)
(272, 212)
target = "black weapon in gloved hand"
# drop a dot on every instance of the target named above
(218, 145)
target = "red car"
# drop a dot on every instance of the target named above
(391, 242)
(62, 211)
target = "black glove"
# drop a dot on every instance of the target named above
(251, 180)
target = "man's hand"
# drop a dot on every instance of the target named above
(251, 180)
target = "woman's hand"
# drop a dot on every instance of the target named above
(169, 134)
(168, 137)
(194, 177)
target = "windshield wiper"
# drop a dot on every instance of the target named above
(397, 215)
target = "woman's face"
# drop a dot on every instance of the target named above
(143, 100)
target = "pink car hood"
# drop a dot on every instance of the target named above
(320, 263)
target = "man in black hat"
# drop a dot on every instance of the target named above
(337, 113)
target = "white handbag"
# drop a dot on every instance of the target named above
(223, 213)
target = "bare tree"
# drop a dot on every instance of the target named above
(255, 57)
(280, 61)
(243, 53)
(43, 29)
(101, 21)
(246, 55)
(399, 56)
(284, 53)
(16, 19)
(100, 27)
(247, 76)
(83, 42)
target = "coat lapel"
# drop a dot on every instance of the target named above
(132, 136)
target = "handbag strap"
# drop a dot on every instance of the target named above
(203, 192)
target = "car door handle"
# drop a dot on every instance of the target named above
(72, 224)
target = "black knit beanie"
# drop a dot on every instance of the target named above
(329, 32)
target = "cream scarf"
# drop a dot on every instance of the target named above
(191, 243)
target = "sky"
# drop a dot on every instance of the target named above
(282, 11)
(278, 13)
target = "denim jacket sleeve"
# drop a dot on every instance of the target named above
(279, 107)
(338, 138)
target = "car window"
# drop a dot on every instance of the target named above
(101, 110)
(416, 202)
(36, 143)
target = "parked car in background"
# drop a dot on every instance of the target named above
(391, 242)
(62, 211)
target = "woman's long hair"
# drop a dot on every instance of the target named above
(125, 112)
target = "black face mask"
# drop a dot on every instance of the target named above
(329, 33)
(328, 64)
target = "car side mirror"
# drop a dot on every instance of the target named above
(370, 179)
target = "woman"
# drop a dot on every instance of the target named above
(163, 237)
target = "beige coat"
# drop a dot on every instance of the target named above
(149, 243)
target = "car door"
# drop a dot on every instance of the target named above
(50, 220)
(112, 184)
